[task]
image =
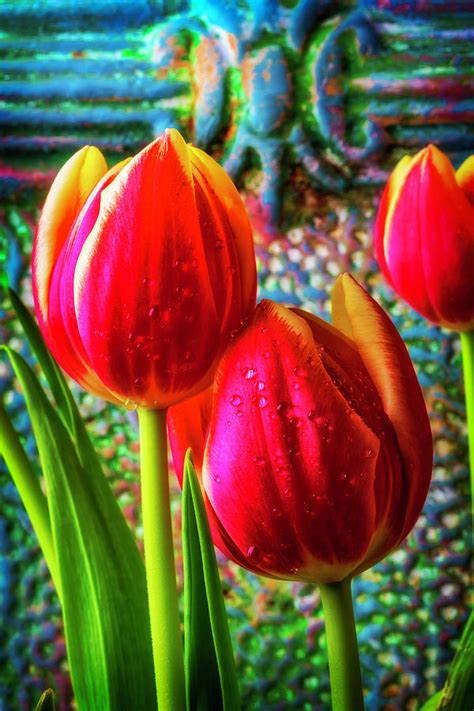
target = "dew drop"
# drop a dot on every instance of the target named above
(312, 414)
(217, 479)
(239, 413)
(251, 552)
(235, 400)
(260, 385)
(248, 373)
(368, 453)
(189, 356)
(260, 401)
(259, 461)
(219, 244)
(299, 372)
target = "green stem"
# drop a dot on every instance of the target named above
(28, 486)
(344, 668)
(467, 346)
(159, 562)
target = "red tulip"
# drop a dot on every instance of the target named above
(424, 237)
(141, 273)
(317, 449)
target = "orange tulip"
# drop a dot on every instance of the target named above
(142, 272)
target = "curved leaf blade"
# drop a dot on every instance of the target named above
(102, 575)
(211, 680)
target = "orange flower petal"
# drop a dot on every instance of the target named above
(465, 178)
(68, 194)
(387, 361)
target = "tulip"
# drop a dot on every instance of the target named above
(142, 272)
(424, 237)
(316, 454)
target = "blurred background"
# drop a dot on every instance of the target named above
(308, 104)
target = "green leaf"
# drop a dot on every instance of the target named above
(458, 692)
(102, 575)
(46, 702)
(211, 680)
(67, 407)
(432, 704)
(50, 368)
(28, 485)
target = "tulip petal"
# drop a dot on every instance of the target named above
(66, 345)
(387, 361)
(228, 196)
(161, 330)
(392, 189)
(429, 242)
(292, 503)
(68, 193)
(465, 178)
(188, 422)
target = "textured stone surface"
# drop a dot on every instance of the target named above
(308, 104)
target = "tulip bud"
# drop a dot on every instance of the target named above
(318, 447)
(424, 237)
(142, 272)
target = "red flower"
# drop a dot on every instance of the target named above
(424, 237)
(318, 448)
(142, 272)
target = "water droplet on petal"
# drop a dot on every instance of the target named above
(219, 244)
(295, 386)
(251, 552)
(235, 400)
(239, 413)
(260, 401)
(260, 385)
(248, 373)
(259, 461)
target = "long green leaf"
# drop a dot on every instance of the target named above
(102, 575)
(458, 692)
(50, 368)
(46, 701)
(29, 488)
(211, 680)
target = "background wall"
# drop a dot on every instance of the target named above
(308, 104)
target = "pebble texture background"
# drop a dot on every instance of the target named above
(308, 104)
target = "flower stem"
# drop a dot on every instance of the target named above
(467, 346)
(30, 492)
(344, 668)
(159, 562)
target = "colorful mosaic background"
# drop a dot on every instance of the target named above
(308, 104)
